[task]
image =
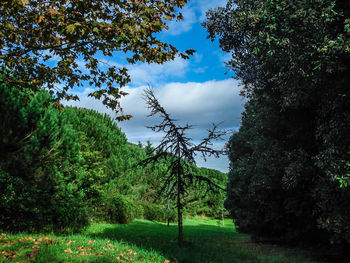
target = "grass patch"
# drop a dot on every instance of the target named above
(145, 241)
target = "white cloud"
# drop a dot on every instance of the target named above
(185, 25)
(193, 97)
(205, 5)
(149, 73)
(193, 12)
(197, 57)
(145, 73)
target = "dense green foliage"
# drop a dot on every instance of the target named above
(117, 208)
(40, 166)
(60, 168)
(290, 158)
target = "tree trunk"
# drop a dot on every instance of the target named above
(168, 212)
(222, 215)
(179, 216)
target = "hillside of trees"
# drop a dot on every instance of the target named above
(62, 168)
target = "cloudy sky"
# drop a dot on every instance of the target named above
(195, 91)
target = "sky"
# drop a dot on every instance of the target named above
(199, 91)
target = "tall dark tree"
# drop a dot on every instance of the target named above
(287, 159)
(177, 148)
(44, 43)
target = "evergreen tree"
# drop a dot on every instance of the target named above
(40, 164)
(180, 153)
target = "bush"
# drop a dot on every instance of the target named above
(117, 209)
(138, 209)
(154, 212)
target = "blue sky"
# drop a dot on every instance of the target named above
(196, 91)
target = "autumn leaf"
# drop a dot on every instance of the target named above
(50, 241)
(53, 12)
(40, 18)
(9, 255)
(68, 250)
(22, 2)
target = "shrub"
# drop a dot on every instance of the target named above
(117, 208)
(153, 212)
(138, 209)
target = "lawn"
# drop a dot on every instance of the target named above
(206, 240)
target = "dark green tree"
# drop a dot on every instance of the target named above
(180, 153)
(40, 165)
(293, 59)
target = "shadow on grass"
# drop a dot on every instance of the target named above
(203, 243)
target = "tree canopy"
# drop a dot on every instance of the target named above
(60, 45)
(289, 161)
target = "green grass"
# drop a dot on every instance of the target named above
(145, 241)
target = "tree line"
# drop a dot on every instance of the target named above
(62, 168)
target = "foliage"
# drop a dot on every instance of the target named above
(179, 153)
(40, 168)
(60, 168)
(116, 208)
(204, 202)
(42, 43)
(293, 146)
(153, 212)
(102, 147)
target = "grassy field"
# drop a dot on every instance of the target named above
(145, 241)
